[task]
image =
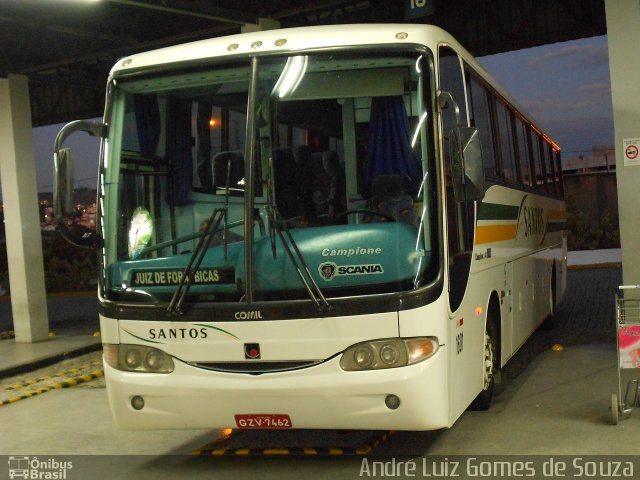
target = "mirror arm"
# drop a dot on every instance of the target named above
(445, 99)
(95, 129)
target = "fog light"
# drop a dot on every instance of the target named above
(392, 402)
(137, 402)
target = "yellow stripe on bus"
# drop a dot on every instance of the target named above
(495, 233)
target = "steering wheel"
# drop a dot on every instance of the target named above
(386, 216)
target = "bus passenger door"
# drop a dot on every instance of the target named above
(460, 226)
(460, 215)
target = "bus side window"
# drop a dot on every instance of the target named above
(538, 163)
(559, 180)
(549, 161)
(507, 149)
(524, 153)
(481, 119)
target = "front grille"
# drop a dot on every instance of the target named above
(256, 368)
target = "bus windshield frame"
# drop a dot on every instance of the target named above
(192, 154)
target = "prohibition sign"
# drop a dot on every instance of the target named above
(631, 149)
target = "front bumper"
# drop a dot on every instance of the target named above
(319, 397)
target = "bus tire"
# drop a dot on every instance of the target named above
(549, 322)
(491, 362)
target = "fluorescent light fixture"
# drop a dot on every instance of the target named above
(291, 76)
(423, 117)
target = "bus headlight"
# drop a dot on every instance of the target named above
(137, 358)
(363, 356)
(388, 353)
(132, 358)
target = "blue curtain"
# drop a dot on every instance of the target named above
(179, 149)
(389, 149)
(147, 123)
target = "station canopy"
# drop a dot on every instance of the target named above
(67, 47)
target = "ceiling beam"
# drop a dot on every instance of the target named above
(206, 11)
(123, 50)
(60, 29)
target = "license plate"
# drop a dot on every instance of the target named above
(270, 420)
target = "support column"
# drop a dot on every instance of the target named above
(623, 30)
(263, 24)
(22, 219)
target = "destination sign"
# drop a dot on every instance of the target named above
(172, 276)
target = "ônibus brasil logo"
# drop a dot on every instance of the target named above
(329, 270)
(34, 468)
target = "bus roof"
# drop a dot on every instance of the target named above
(288, 40)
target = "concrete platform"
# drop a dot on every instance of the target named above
(73, 321)
(16, 358)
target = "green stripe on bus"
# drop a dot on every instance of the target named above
(497, 211)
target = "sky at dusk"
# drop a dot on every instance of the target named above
(565, 87)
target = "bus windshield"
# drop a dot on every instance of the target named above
(318, 167)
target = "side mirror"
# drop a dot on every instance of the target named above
(467, 171)
(63, 179)
(63, 165)
(63, 183)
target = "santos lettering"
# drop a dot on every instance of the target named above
(177, 333)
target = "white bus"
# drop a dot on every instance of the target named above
(336, 227)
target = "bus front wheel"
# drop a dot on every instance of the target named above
(490, 367)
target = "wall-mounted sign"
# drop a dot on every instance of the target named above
(418, 8)
(631, 151)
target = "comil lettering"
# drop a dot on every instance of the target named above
(249, 315)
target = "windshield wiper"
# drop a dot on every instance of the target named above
(279, 227)
(297, 260)
(204, 242)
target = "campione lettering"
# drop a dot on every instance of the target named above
(350, 252)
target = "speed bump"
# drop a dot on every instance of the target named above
(218, 447)
(35, 386)
(63, 383)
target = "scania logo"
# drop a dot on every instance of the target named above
(248, 315)
(327, 270)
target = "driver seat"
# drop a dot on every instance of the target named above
(391, 196)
